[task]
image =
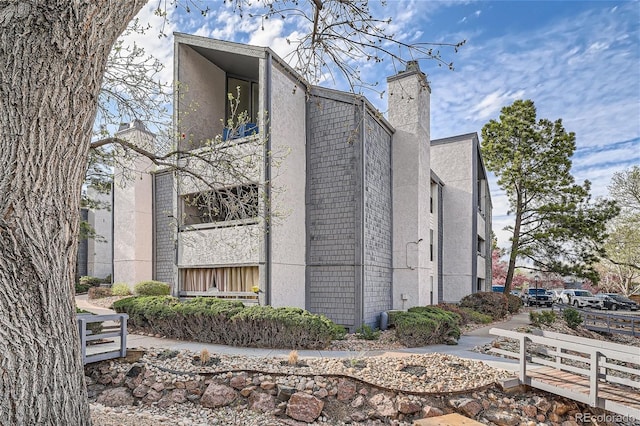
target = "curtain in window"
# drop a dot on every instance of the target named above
(220, 279)
(200, 279)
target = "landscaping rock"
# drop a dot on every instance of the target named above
(217, 396)
(116, 397)
(304, 407)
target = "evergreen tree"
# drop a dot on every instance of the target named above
(557, 227)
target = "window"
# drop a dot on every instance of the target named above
(247, 99)
(230, 279)
(480, 246)
(235, 203)
(431, 244)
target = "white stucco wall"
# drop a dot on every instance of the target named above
(132, 216)
(99, 251)
(201, 95)
(409, 102)
(288, 136)
(434, 220)
(453, 163)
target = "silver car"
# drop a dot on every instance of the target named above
(579, 298)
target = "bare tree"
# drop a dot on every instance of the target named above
(53, 60)
(620, 268)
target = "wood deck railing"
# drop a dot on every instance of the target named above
(607, 322)
(599, 373)
(114, 326)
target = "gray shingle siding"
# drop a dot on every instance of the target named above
(378, 227)
(349, 283)
(333, 158)
(164, 227)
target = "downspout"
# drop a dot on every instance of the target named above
(154, 243)
(391, 133)
(474, 217)
(113, 229)
(267, 178)
(362, 212)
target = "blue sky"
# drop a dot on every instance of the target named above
(577, 60)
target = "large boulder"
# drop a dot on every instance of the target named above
(218, 396)
(304, 407)
(116, 397)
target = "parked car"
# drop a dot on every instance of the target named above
(555, 295)
(614, 301)
(579, 298)
(536, 296)
(516, 292)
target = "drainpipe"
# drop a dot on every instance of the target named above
(267, 177)
(362, 211)
(113, 228)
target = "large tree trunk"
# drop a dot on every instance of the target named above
(52, 59)
(515, 245)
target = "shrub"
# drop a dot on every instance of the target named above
(488, 303)
(425, 325)
(92, 281)
(467, 315)
(339, 332)
(572, 317)
(265, 326)
(367, 333)
(545, 317)
(99, 292)
(120, 289)
(211, 320)
(514, 303)
(82, 288)
(152, 288)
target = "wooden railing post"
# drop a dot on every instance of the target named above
(123, 336)
(593, 378)
(82, 329)
(523, 359)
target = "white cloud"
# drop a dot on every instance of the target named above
(492, 103)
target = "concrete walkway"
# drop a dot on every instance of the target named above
(463, 349)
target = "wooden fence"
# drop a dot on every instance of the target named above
(113, 326)
(608, 323)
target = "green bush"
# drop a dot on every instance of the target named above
(488, 303)
(572, 317)
(152, 288)
(99, 292)
(211, 320)
(367, 333)
(425, 325)
(339, 332)
(120, 289)
(92, 281)
(82, 288)
(467, 315)
(544, 317)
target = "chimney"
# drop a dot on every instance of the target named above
(409, 110)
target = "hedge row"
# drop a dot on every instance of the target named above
(425, 325)
(210, 320)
